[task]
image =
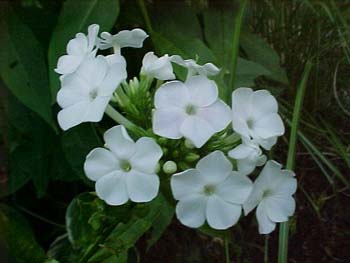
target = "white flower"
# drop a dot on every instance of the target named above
(126, 170)
(272, 193)
(125, 38)
(248, 155)
(255, 115)
(191, 110)
(193, 68)
(212, 192)
(84, 95)
(78, 49)
(159, 68)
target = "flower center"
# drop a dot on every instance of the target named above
(93, 94)
(191, 109)
(209, 189)
(250, 123)
(125, 165)
(266, 193)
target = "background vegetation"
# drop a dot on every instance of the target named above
(285, 46)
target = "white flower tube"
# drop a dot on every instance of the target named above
(126, 170)
(211, 192)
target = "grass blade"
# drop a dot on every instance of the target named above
(284, 227)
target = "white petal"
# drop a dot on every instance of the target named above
(73, 115)
(78, 46)
(246, 166)
(211, 69)
(100, 162)
(235, 189)
(261, 160)
(119, 141)
(197, 130)
(218, 115)
(287, 184)
(96, 109)
(142, 187)
(172, 94)
(239, 124)
(68, 64)
(270, 176)
(221, 214)
(186, 183)
(146, 156)
(269, 126)
(191, 210)
(115, 75)
(266, 226)
(159, 68)
(203, 91)
(93, 70)
(214, 167)
(279, 208)
(242, 151)
(264, 104)
(167, 122)
(253, 200)
(92, 35)
(112, 189)
(241, 103)
(68, 96)
(267, 143)
(130, 38)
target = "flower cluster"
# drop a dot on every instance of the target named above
(175, 130)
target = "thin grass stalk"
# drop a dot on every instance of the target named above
(235, 42)
(284, 227)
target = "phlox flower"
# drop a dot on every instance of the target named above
(84, 95)
(211, 192)
(255, 115)
(125, 38)
(189, 109)
(126, 169)
(248, 155)
(78, 49)
(157, 67)
(208, 69)
(272, 194)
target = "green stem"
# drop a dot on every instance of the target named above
(284, 227)
(266, 249)
(145, 16)
(227, 250)
(235, 45)
(119, 118)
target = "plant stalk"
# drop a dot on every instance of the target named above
(284, 227)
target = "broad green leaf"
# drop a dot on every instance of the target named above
(258, 50)
(77, 143)
(18, 238)
(125, 235)
(23, 65)
(61, 249)
(161, 223)
(75, 17)
(247, 72)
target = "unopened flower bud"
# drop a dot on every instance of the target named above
(191, 157)
(169, 167)
(189, 144)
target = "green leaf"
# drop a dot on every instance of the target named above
(161, 223)
(75, 17)
(18, 237)
(125, 235)
(22, 65)
(61, 249)
(77, 143)
(258, 50)
(247, 72)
